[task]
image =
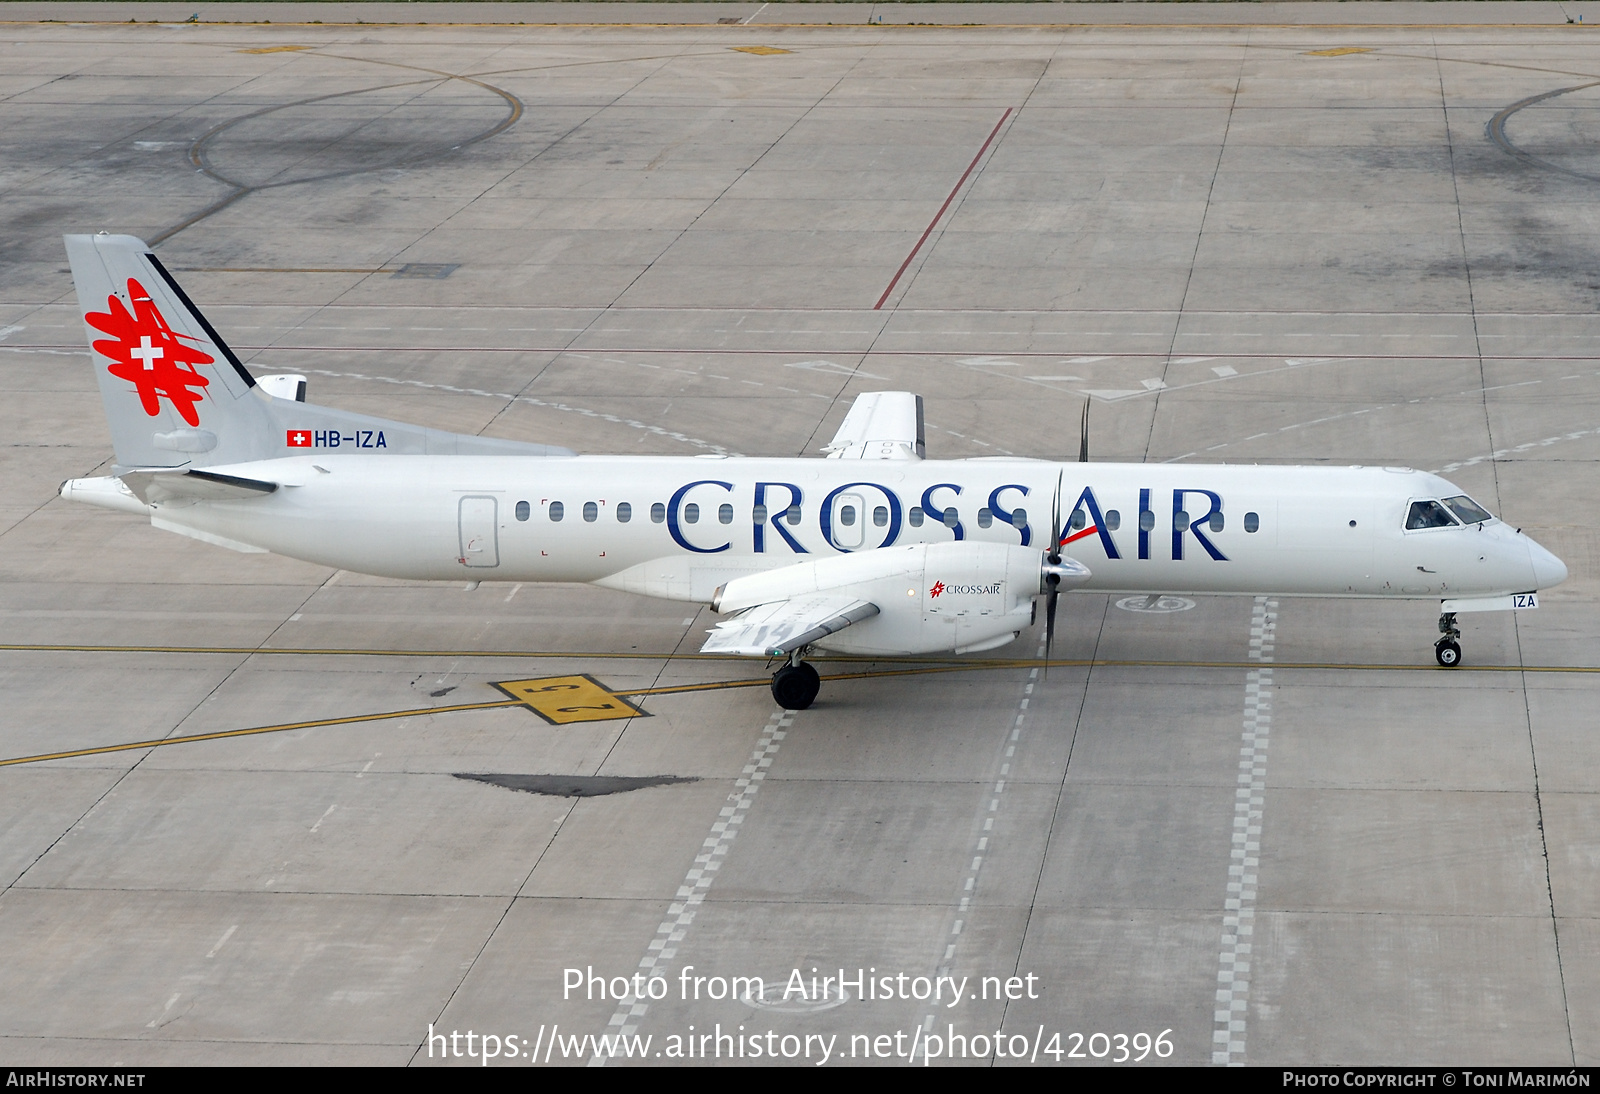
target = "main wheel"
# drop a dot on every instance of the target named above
(1448, 652)
(794, 687)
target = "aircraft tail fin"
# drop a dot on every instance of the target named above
(176, 395)
(172, 389)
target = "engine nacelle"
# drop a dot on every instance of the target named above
(931, 597)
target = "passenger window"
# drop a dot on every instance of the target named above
(1468, 510)
(1019, 518)
(691, 513)
(1428, 514)
(1216, 521)
(523, 510)
(951, 517)
(624, 512)
(1113, 519)
(590, 511)
(880, 516)
(985, 518)
(1252, 522)
(847, 515)
(725, 513)
(658, 512)
(759, 514)
(793, 515)
(1180, 521)
(1147, 520)
(1079, 519)
(914, 516)
(557, 511)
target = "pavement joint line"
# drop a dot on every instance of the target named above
(1238, 919)
(699, 878)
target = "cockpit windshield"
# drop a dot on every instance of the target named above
(1468, 510)
(1428, 514)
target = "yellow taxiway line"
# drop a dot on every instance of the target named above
(678, 689)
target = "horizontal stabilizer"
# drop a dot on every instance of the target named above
(881, 425)
(776, 630)
(155, 487)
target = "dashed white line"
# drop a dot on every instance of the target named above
(1239, 915)
(697, 882)
(980, 848)
(324, 817)
(227, 934)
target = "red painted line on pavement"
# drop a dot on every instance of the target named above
(993, 133)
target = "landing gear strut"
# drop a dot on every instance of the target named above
(1448, 649)
(795, 686)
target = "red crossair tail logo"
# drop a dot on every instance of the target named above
(938, 587)
(147, 353)
(299, 438)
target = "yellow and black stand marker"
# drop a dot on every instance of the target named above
(561, 700)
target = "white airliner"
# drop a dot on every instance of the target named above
(874, 550)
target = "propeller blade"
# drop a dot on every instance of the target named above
(1083, 435)
(1055, 519)
(1050, 620)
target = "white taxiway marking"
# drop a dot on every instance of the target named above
(227, 934)
(697, 882)
(324, 817)
(156, 1021)
(1239, 915)
(980, 848)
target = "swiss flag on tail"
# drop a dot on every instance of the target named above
(299, 438)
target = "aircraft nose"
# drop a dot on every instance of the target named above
(1548, 570)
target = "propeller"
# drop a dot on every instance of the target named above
(1054, 570)
(1052, 566)
(1083, 435)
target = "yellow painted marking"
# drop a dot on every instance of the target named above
(1342, 51)
(285, 727)
(760, 51)
(966, 664)
(274, 49)
(562, 700)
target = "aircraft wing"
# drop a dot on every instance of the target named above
(881, 425)
(779, 628)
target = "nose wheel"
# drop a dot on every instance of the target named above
(1447, 650)
(795, 686)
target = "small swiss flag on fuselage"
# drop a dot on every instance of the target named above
(299, 438)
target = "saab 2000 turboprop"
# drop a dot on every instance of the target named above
(875, 550)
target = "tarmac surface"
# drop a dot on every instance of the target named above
(1355, 244)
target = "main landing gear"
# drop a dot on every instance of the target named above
(795, 686)
(1447, 651)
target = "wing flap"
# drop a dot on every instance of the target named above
(881, 425)
(779, 628)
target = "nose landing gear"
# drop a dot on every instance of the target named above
(1447, 650)
(795, 686)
